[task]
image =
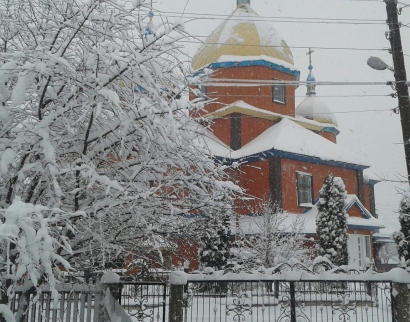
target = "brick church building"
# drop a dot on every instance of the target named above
(285, 151)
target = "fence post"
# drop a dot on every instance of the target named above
(401, 302)
(176, 297)
(292, 302)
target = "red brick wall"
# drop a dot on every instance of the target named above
(355, 212)
(319, 172)
(253, 127)
(260, 97)
(367, 196)
(255, 180)
(328, 135)
(221, 129)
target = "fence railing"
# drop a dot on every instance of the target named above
(279, 300)
(146, 301)
(290, 293)
(287, 293)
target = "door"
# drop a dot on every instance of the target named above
(358, 247)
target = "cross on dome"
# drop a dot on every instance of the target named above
(311, 80)
(242, 2)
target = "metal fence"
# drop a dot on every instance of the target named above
(144, 301)
(280, 301)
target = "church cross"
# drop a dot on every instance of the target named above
(310, 52)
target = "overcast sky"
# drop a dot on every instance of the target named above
(376, 135)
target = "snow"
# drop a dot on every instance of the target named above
(6, 313)
(312, 107)
(288, 136)
(110, 278)
(7, 158)
(276, 61)
(178, 278)
(246, 108)
(396, 275)
(268, 36)
(249, 224)
(210, 142)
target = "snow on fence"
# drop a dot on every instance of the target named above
(75, 303)
(290, 292)
(112, 300)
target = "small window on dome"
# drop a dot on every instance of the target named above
(278, 93)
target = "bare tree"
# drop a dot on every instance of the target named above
(274, 237)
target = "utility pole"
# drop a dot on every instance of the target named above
(400, 77)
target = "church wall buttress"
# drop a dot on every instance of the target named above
(369, 199)
(235, 131)
(275, 179)
(360, 186)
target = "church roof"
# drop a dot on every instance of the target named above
(292, 141)
(313, 108)
(243, 34)
(247, 109)
(249, 224)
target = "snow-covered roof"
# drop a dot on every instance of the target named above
(243, 33)
(312, 107)
(210, 142)
(287, 136)
(247, 109)
(250, 224)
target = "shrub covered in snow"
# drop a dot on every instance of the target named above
(331, 221)
(214, 243)
(402, 237)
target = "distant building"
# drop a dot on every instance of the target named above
(286, 151)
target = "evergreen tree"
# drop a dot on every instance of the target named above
(214, 244)
(331, 222)
(402, 237)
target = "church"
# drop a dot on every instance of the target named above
(284, 152)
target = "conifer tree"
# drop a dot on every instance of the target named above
(402, 237)
(214, 244)
(331, 222)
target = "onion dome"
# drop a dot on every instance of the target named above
(312, 107)
(243, 34)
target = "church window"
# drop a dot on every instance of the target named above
(305, 189)
(278, 93)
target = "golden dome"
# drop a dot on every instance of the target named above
(242, 34)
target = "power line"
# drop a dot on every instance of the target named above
(298, 96)
(340, 112)
(293, 20)
(271, 18)
(279, 46)
(221, 82)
